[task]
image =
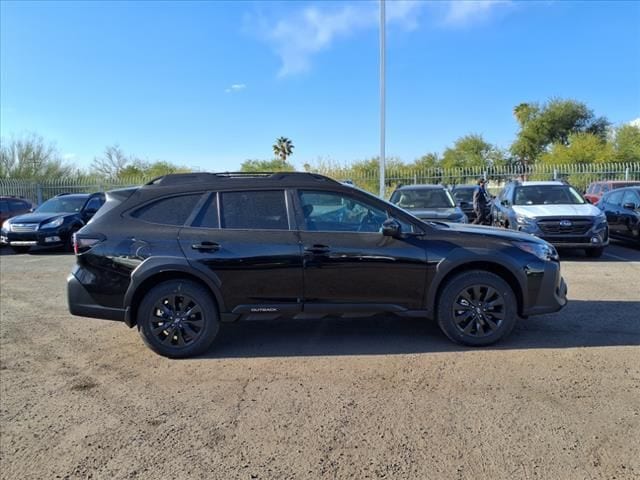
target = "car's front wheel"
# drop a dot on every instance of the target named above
(178, 319)
(477, 308)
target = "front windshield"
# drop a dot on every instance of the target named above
(463, 195)
(423, 198)
(547, 195)
(62, 205)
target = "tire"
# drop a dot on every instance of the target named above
(185, 336)
(594, 252)
(467, 325)
(21, 249)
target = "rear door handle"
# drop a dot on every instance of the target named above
(317, 249)
(208, 246)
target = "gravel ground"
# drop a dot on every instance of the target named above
(367, 398)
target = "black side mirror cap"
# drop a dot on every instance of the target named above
(505, 203)
(391, 228)
(629, 206)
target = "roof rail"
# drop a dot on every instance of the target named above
(63, 194)
(203, 177)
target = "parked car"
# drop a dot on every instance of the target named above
(553, 211)
(181, 255)
(622, 208)
(12, 206)
(596, 190)
(52, 224)
(428, 202)
(463, 196)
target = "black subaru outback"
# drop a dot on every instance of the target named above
(186, 252)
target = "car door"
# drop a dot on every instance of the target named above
(627, 216)
(245, 242)
(349, 266)
(612, 210)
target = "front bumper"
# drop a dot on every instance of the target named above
(552, 294)
(595, 237)
(43, 238)
(82, 304)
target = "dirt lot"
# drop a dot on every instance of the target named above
(383, 398)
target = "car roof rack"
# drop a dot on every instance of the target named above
(207, 177)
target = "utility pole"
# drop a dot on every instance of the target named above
(382, 97)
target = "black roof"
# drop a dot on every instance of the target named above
(241, 179)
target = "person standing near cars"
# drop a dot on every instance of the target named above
(480, 203)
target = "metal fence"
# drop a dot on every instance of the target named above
(579, 175)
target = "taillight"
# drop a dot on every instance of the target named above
(82, 243)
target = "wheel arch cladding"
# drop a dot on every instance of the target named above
(480, 265)
(156, 278)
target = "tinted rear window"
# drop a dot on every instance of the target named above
(168, 211)
(254, 210)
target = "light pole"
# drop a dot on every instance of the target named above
(382, 98)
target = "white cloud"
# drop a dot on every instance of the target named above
(635, 123)
(236, 87)
(298, 36)
(464, 12)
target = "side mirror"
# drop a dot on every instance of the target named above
(391, 228)
(505, 203)
(629, 206)
(90, 212)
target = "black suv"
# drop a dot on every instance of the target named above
(53, 223)
(181, 255)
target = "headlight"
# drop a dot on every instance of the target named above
(56, 222)
(6, 226)
(543, 251)
(522, 220)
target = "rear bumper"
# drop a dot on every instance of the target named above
(82, 304)
(552, 295)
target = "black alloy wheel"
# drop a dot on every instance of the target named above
(477, 308)
(178, 319)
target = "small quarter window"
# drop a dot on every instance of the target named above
(168, 211)
(259, 210)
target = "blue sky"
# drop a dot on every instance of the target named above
(210, 84)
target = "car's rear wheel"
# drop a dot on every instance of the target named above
(68, 244)
(21, 249)
(595, 252)
(477, 308)
(178, 319)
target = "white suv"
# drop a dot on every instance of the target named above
(553, 211)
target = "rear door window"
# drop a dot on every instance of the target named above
(254, 210)
(207, 217)
(168, 211)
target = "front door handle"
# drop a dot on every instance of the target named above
(207, 246)
(317, 249)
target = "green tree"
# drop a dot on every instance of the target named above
(554, 122)
(626, 144)
(31, 157)
(283, 149)
(275, 165)
(468, 151)
(580, 148)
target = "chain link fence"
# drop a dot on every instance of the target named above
(579, 175)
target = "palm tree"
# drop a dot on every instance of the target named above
(283, 148)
